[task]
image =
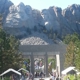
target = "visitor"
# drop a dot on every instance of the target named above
(57, 77)
(30, 76)
(53, 78)
(41, 74)
(36, 74)
(23, 76)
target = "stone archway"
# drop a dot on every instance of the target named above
(45, 50)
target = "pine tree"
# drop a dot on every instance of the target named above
(72, 57)
(10, 57)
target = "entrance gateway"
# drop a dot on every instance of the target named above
(45, 51)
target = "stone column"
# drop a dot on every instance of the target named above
(58, 65)
(62, 60)
(46, 65)
(32, 64)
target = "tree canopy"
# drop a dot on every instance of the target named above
(72, 57)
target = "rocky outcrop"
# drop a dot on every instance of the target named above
(4, 7)
(72, 15)
(22, 16)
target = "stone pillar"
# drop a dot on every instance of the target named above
(58, 65)
(32, 64)
(62, 60)
(46, 65)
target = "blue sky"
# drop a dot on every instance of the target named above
(41, 4)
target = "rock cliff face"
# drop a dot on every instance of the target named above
(17, 18)
(4, 5)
